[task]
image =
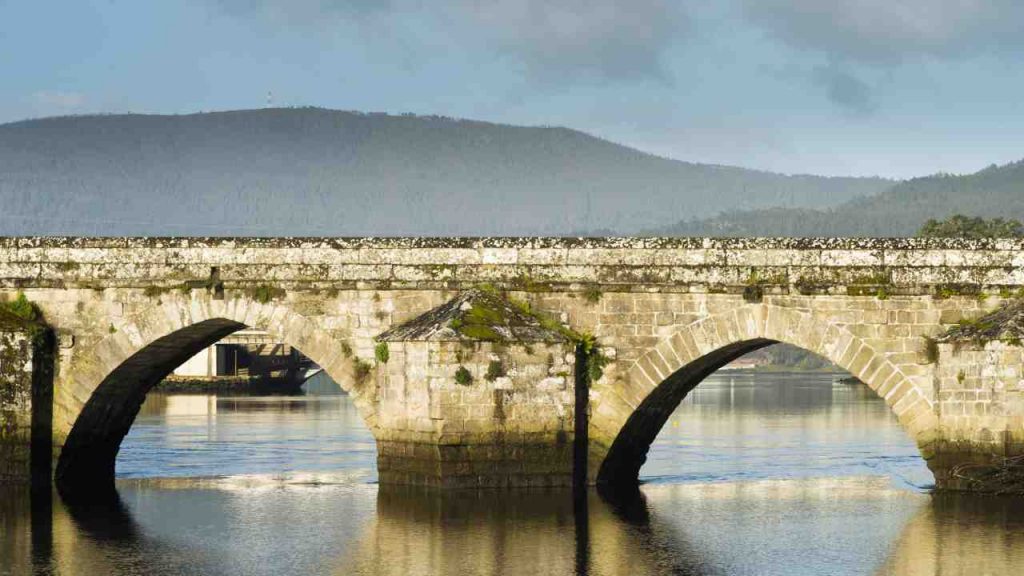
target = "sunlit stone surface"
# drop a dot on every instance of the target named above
(666, 312)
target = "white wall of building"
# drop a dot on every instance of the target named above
(202, 364)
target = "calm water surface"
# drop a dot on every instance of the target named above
(754, 474)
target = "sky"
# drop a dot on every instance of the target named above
(896, 88)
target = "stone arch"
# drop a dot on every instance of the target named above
(632, 410)
(107, 382)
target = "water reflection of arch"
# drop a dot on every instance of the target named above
(51, 536)
(421, 532)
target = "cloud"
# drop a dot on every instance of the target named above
(553, 40)
(609, 39)
(890, 31)
(845, 90)
(57, 102)
(858, 36)
(305, 11)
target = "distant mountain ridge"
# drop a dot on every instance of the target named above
(322, 172)
(995, 192)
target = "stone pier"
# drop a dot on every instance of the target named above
(26, 394)
(475, 393)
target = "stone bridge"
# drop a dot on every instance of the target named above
(499, 362)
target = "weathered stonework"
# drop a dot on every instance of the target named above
(510, 430)
(15, 405)
(980, 409)
(461, 411)
(26, 396)
(665, 311)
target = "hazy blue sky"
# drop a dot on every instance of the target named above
(890, 87)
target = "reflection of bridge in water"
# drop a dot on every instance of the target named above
(415, 532)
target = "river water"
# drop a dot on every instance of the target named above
(758, 474)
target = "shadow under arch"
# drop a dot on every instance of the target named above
(85, 468)
(661, 378)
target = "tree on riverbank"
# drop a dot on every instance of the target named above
(960, 226)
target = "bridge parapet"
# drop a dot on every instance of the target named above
(904, 266)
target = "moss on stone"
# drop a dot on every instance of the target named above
(479, 332)
(361, 369)
(753, 289)
(495, 370)
(593, 357)
(22, 315)
(19, 312)
(154, 291)
(1004, 324)
(875, 278)
(808, 285)
(527, 283)
(949, 290)
(592, 294)
(481, 315)
(753, 293)
(931, 350)
(463, 377)
(486, 314)
(264, 293)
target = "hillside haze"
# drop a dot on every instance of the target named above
(995, 192)
(322, 172)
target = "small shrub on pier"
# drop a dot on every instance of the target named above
(362, 369)
(495, 370)
(382, 353)
(463, 377)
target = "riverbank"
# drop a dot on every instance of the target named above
(227, 385)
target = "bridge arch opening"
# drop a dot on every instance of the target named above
(87, 463)
(662, 378)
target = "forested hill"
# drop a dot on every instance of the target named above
(997, 191)
(323, 172)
